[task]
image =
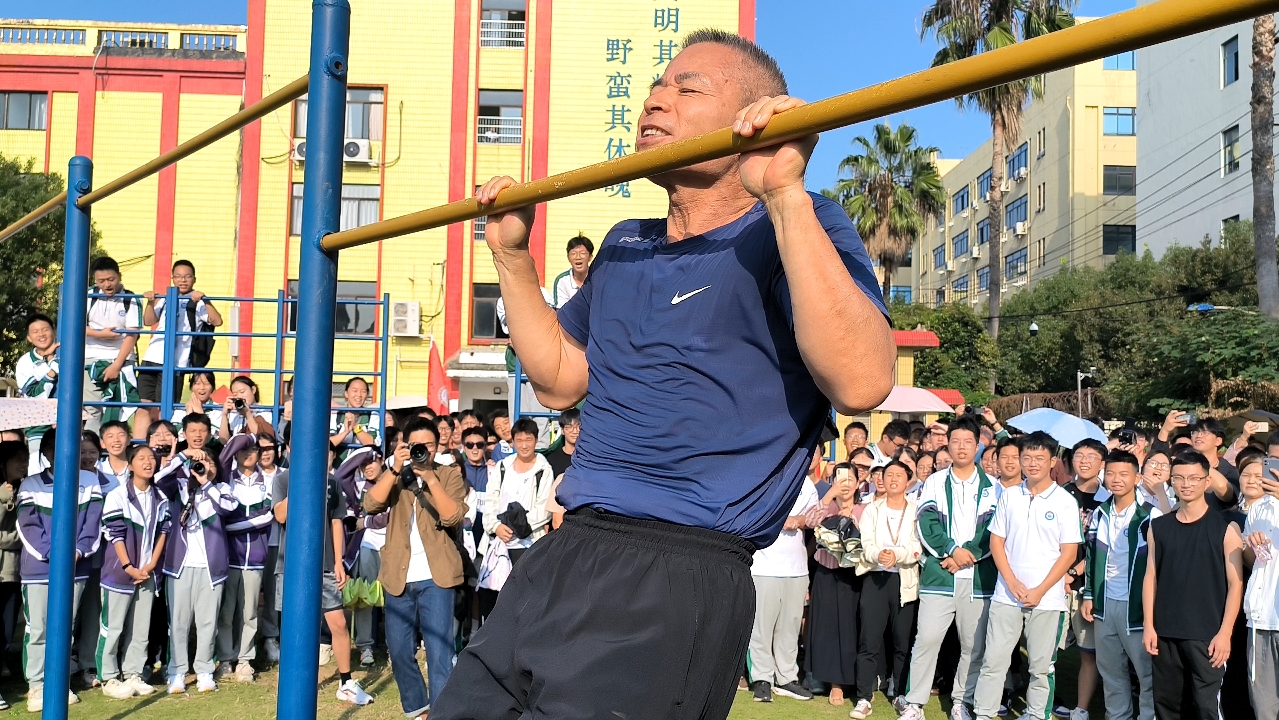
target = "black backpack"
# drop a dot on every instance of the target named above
(201, 345)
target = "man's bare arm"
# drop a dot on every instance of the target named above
(553, 360)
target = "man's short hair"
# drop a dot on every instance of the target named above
(1191, 457)
(1038, 440)
(196, 419)
(475, 430)
(34, 318)
(1090, 444)
(525, 425)
(1212, 425)
(1123, 457)
(183, 263)
(964, 422)
(897, 429)
(768, 80)
(856, 425)
(570, 416)
(104, 264)
(49, 443)
(446, 419)
(118, 425)
(499, 413)
(468, 412)
(1006, 443)
(418, 424)
(910, 474)
(580, 241)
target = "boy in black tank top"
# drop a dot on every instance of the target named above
(1188, 632)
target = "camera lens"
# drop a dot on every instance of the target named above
(419, 453)
(239, 404)
(198, 468)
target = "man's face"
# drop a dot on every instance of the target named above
(1189, 482)
(572, 432)
(356, 394)
(1121, 478)
(183, 279)
(502, 426)
(107, 281)
(889, 445)
(1037, 464)
(1205, 441)
(1009, 462)
(1087, 463)
(114, 441)
(474, 447)
(427, 438)
(247, 459)
(469, 421)
(853, 439)
(525, 446)
(699, 92)
(580, 258)
(197, 434)
(963, 448)
(40, 334)
(446, 434)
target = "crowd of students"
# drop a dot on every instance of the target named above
(959, 559)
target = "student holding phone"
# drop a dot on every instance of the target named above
(1259, 603)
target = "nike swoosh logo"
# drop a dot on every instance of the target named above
(681, 298)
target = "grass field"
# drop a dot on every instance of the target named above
(234, 700)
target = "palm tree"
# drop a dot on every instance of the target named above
(964, 28)
(893, 188)
(1263, 163)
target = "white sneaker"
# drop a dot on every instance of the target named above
(139, 686)
(244, 672)
(960, 712)
(911, 712)
(1079, 714)
(113, 688)
(177, 685)
(326, 655)
(861, 711)
(351, 692)
(366, 657)
(35, 698)
(1061, 711)
(72, 698)
(272, 647)
(204, 682)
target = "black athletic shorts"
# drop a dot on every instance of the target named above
(612, 617)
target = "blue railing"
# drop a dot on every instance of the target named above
(169, 336)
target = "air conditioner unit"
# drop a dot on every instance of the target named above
(406, 319)
(986, 196)
(1005, 186)
(1022, 229)
(976, 205)
(977, 252)
(964, 214)
(951, 223)
(950, 266)
(299, 151)
(355, 150)
(1022, 172)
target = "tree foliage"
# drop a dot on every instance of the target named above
(967, 355)
(31, 261)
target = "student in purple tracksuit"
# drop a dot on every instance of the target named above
(247, 529)
(35, 527)
(196, 562)
(364, 537)
(136, 519)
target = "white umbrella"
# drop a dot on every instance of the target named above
(907, 399)
(19, 413)
(1065, 428)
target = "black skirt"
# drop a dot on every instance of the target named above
(831, 654)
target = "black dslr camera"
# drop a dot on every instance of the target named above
(419, 453)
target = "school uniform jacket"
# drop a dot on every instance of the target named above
(35, 525)
(125, 522)
(1097, 543)
(248, 526)
(211, 504)
(936, 504)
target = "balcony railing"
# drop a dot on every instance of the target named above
(500, 130)
(41, 36)
(133, 39)
(502, 33)
(198, 41)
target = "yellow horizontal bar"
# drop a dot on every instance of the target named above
(261, 108)
(1128, 30)
(35, 215)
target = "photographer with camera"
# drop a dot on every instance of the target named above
(237, 411)
(421, 563)
(196, 561)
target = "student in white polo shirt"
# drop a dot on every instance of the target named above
(1034, 539)
(103, 343)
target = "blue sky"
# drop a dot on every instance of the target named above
(826, 47)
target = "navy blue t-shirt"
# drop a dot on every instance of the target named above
(699, 409)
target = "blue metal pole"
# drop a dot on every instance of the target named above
(313, 360)
(66, 464)
(170, 341)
